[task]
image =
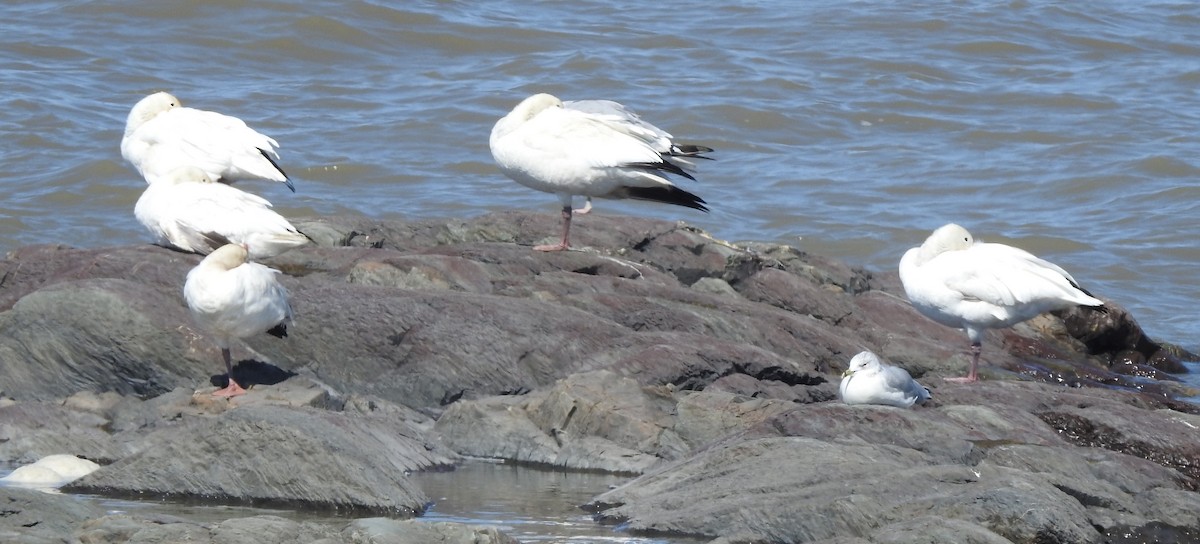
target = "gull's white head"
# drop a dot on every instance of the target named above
(949, 237)
(147, 108)
(863, 361)
(185, 174)
(228, 256)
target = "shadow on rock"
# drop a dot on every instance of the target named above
(250, 372)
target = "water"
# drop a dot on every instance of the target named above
(849, 129)
(531, 505)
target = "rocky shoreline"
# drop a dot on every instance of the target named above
(707, 369)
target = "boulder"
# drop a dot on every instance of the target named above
(269, 455)
(982, 459)
(34, 517)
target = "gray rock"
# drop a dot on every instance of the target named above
(654, 349)
(928, 529)
(425, 313)
(68, 337)
(121, 529)
(598, 421)
(28, 516)
(274, 455)
(991, 469)
(32, 430)
(391, 531)
(801, 489)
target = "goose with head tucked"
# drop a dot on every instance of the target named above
(187, 210)
(161, 135)
(961, 283)
(545, 145)
(233, 298)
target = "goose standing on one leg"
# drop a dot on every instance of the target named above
(162, 135)
(233, 298)
(545, 146)
(623, 119)
(959, 283)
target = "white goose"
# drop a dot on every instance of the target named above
(625, 120)
(869, 381)
(233, 298)
(544, 145)
(162, 135)
(186, 209)
(51, 471)
(959, 283)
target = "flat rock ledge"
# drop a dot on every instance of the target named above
(705, 370)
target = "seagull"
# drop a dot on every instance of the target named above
(233, 298)
(187, 210)
(869, 381)
(960, 283)
(161, 135)
(544, 145)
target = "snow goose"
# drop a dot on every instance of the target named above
(186, 209)
(623, 119)
(960, 283)
(162, 135)
(544, 145)
(869, 381)
(51, 471)
(232, 298)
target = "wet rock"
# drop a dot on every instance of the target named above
(924, 529)
(654, 349)
(598, 421)
(114, 529)
(32, 430)
(1115, 331)
(424, 313)
(991, 468)
(391, 531)
(28, 516)
(69, 339)
(277, 455)
(1166, 437)
(595, 421)
(266, 529)
(803, 489)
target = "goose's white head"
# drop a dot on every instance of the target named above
(526, 110)
(530, 107)
(228, 256)
(149, 107)
(949, 237)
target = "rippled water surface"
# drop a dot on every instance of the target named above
(845, 128)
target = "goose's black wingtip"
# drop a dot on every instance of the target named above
(691, 151)
(667, 195)
(278, 331)
(286, 179)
